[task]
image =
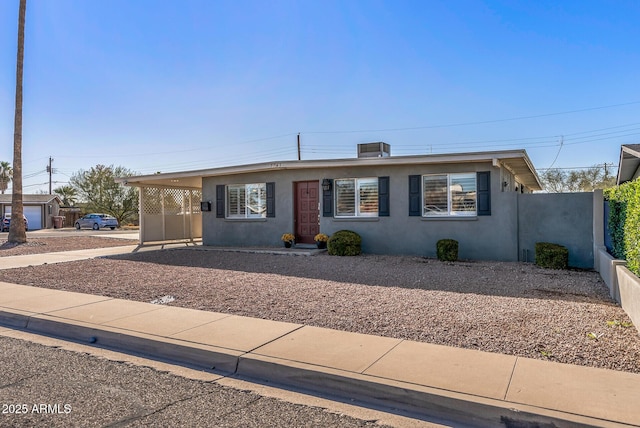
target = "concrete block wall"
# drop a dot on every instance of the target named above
(561, 218)
(624, 285)
(607, 267)
(629, 289)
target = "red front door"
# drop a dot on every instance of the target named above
(307, 211)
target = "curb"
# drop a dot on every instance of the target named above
(417, 401)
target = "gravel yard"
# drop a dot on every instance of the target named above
(505, 307)
(50, 245)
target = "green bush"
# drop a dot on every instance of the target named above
(344, 243)
(551, 256)
(447, 250)
(624, 222)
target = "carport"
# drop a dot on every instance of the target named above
(169, 207)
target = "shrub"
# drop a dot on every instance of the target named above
(624, 223)
(551, 256)
(344, 243)
(447, 250)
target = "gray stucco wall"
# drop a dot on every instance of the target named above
(516, 223)
(561, 218)
(483, 237)
(253, 232)
(479, 237)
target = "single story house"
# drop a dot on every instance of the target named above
(398, 204)
(39, 209)
(629, 166)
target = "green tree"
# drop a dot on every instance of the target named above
(6, 175)
(68, 194)
(553, 180)
(17, 233)
(577, 180)
(99, 190)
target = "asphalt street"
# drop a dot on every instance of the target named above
(48, 386)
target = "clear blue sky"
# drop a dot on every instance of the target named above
(179, 85)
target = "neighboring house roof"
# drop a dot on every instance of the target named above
(629, 162)
(516, 161)
(31, 199)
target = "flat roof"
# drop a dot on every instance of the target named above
(29, 199)
(516, 161)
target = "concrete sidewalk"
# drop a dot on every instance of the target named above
(433, 382)
(64, 256)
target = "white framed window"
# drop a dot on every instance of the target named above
(247, 200)
(356, 197)
(449, 195)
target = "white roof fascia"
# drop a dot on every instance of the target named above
(627, 166)
(533, 170)
(337, 163)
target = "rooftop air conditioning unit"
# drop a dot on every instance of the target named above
(374, 150)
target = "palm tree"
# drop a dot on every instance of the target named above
(68, 194)
(17, 233)
(6, 174)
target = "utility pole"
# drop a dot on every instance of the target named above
(50, 171)
(298, 146)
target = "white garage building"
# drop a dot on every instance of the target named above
(38, 209)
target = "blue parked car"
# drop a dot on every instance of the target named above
(6, 222)
(96, 221)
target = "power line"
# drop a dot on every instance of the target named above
(228, 160)
(606, 129)
(608, 165)
(128, 155)
(532, 142)
(310, 149)
(600, 139)
(483, 122)
(34, 174)
(38, 184)
(557, 154)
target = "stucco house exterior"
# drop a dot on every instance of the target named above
(39, 209)
(398, 204)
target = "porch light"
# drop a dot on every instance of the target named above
(326, 184)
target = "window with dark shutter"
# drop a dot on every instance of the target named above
(345, 197)
(246, 200)
(383, 197)
(327, 200)
(484, 192)
(436, 194)
(414, 195)
(271, 199)
(220, 201)
(449, 194)
(356, 197)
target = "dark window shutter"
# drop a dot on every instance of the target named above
(484, 192)
(220, 201)
(383, 196)
(271, 199)
(414, 195)
(327, 201)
